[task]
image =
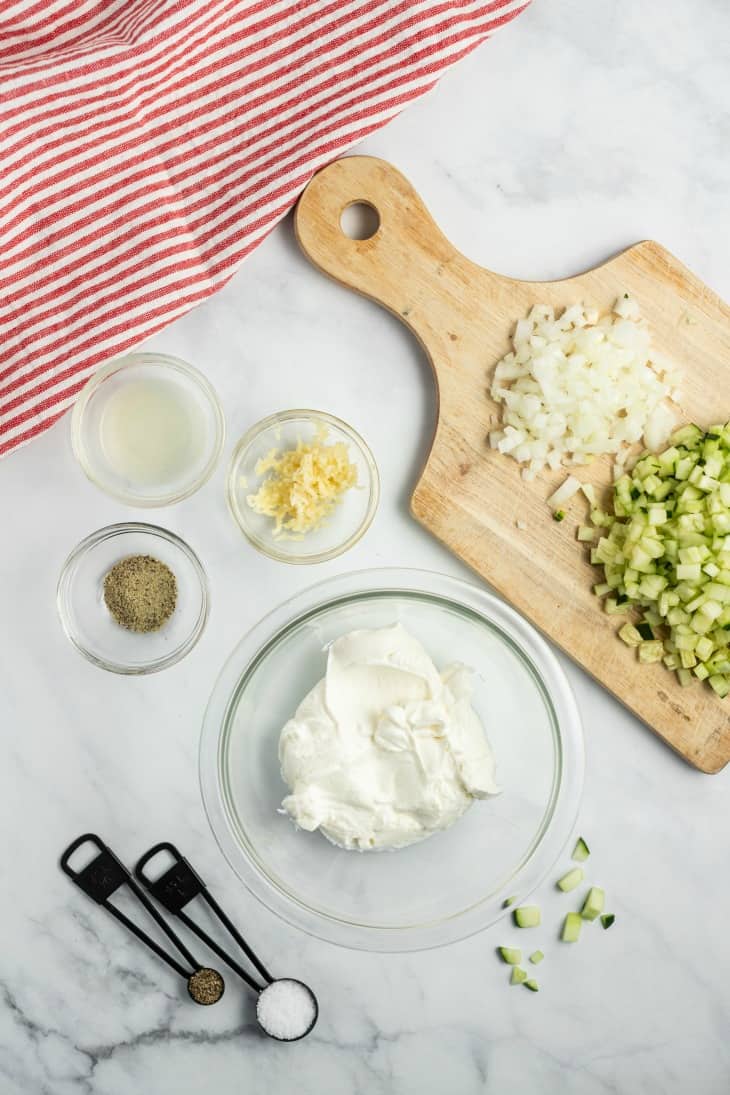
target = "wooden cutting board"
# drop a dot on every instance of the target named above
(470, 496)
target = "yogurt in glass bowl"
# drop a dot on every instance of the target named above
(455, 882)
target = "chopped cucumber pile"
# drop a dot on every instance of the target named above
(527, 916)
(581, 851)
(518, 976)
(536, 957)
(571, 928)
(665, 553)
(607, 920)
(511, 955)
(570, 880)
(593, 906)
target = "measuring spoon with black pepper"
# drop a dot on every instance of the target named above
(175, 888)
(101, 878)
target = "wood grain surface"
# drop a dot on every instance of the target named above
(470, 496)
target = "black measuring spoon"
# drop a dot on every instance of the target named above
(174, 889)
(101, 878)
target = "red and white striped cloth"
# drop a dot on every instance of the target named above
(147, 146)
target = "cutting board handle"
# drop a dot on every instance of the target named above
(407, 251)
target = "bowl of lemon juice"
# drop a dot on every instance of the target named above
(148, 429)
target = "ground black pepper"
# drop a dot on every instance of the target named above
(141, 593)
(206, 986)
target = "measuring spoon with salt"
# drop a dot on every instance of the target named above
(102, 877)
(286, 1009)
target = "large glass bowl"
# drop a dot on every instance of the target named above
(454, 883)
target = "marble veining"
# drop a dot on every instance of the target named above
(579, 130)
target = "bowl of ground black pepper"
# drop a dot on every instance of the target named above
(133, 598)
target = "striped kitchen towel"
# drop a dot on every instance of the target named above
(147, 146)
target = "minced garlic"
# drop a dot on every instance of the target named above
(303, 486)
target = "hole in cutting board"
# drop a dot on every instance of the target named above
(360, 221)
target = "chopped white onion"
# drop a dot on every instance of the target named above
(659, 426)
(578, 386)
(565, 491)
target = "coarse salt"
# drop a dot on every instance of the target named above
(286, 1009)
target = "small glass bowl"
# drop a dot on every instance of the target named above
(90, 626)
(349, 520)
(206, 424)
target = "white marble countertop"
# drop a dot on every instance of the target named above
(579, 130)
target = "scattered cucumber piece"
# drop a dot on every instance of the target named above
(508, 901)
(581, 850)
(536, 957)
(531, 984)
(570, 880)
(571, 928)
(511, 955)
(527, 916)
(518, 976)
(593, 906)
(559, 515)
(607, 920)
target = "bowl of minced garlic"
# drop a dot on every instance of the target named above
(303, 486)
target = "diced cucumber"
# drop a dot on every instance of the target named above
(688, 436)
(508, 901)
(630, 635)
(511, 955)
(581, 850)
(527, 916)
(518, 976)
(571, 928)
(531, 984)
(593, 905)
(607, 920)
(570, 880)
(720, 684)
(665, 553)
(536, 957)
(651, 651)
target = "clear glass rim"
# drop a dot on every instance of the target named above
(559, 818)
(165, 361)
(239, 516)
(110, 532)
